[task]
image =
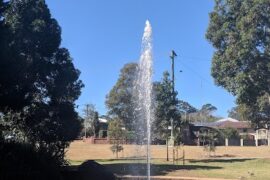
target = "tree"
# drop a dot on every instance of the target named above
(259, 112)
(2, 26)
(96, 124)
(32, 39)
(209, 138)
(116, 134)
(166, 107)
(120, 101)
(239, 30)
(231, 133)
(187, 111)
(205, 113)
(91, 120)
(207, 109)
(2, 8)
(186, 108)
(38, 80)
(238, 112)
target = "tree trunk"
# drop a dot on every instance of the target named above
(167, 144)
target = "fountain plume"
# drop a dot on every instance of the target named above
(143, 88)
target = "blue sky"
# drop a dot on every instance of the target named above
(103, 35)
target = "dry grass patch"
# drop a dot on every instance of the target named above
(80, 151)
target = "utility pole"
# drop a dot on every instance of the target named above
(172, 56)
(87, 116)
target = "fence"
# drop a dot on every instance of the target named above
(93, 140)
(246, 142)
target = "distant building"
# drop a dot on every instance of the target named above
(243, 127)
(258, 136)
(103, 130)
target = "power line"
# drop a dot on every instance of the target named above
(195, 72)
(197, 59)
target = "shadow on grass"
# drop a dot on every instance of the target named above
(220, 160)
(156, 169)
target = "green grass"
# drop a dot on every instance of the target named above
(253, 169)
(250, 169)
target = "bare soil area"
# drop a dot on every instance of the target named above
(80, 151)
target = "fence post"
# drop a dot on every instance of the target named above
(173, 155)
(226, 142)
(257, 137)
(177, 156)
(241, 142)
(183, 157)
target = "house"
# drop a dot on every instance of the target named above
(103, 127)
(243, 127)
(248, 134)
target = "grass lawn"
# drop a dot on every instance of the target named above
(250, 169)
(251, 163)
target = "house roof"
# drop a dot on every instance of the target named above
(226, 123)
(233, 124)
(102, 120)
(227, 119)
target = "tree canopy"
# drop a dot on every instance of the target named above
(186, 108)
(166, 107)
(240, 32)
(38, 81)
(119, 101)
(91, 120)
(238, 112)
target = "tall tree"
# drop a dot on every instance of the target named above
(89, 115)
(208, 109)
(240, 32)
(38, 80)
(91, 120)
(186, 108)
(259, 112)
(204, 114)
(96, 124)
(166, 107)
(2, 8)
(238, 112)
(33, 40)
(119, 101)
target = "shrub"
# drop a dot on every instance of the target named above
(116, 148)
(22, 161)
(231, 133)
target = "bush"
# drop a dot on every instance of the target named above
(90, 170)
(231, 133)
(209, 148)
(116, 148)
(211, 136)
(22, 161)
